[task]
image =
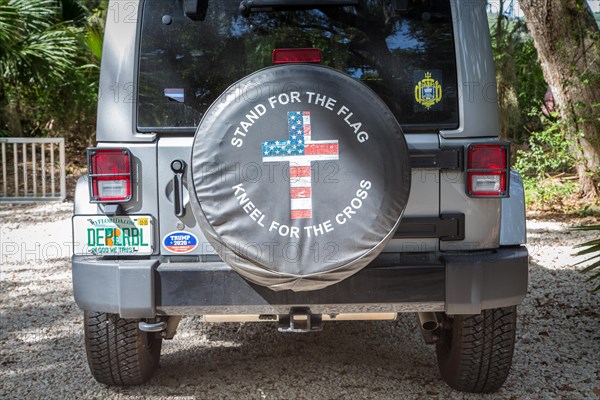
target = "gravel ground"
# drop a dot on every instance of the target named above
(42, 356)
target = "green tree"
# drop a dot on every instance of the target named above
(567, 39)
(521, 85)
(36, 50)
(50, 54)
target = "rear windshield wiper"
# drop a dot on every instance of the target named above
(250, 6)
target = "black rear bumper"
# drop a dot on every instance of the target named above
(457, 283)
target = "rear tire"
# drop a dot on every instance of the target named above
(475, 351)
(118, 353)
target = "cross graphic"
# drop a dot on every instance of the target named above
(299, 150)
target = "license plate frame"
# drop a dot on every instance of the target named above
(120, 235)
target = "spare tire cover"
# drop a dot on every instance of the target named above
(300, 176)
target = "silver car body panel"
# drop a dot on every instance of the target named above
(423, 200)
(513, 230)
(424, 196)
(144, 184)
(170, 149)
(118, 83)
(478, 99)
(482, 216)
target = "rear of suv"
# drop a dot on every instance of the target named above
(299, 162)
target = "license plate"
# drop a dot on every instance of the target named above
(120, 235)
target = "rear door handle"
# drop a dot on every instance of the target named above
(178, 167)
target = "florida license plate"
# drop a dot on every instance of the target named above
(118, 235)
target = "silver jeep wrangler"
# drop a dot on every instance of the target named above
(298, 162)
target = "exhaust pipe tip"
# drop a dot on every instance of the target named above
(428, 321)
(429, 324)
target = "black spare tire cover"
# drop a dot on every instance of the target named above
(300, 176)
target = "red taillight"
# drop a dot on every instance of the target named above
(487, 170)
(110, 175)
(291, 56)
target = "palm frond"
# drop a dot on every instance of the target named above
(587, 228)
(35, 15)
(33, 42)
(9, 21)
(590, 247)
(49, 53)
(93, 40)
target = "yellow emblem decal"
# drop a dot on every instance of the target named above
(428, 91)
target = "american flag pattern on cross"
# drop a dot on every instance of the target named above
(300, 151)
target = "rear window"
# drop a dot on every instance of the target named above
(406, 56)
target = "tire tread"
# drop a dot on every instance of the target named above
(479, 355)
(117, 350)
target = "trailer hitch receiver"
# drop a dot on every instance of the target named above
(299, 320)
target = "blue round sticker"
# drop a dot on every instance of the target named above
(180, 242)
